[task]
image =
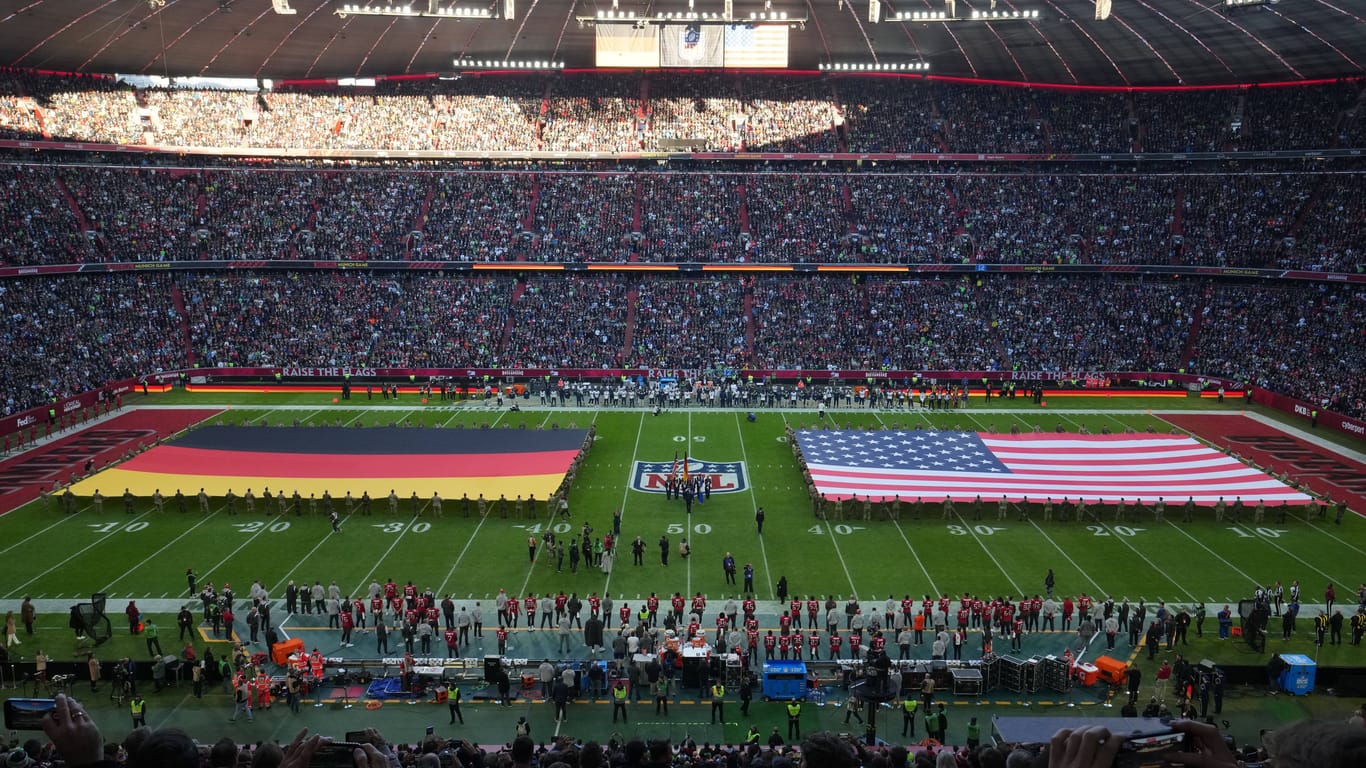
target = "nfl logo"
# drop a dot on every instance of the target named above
(726, 476)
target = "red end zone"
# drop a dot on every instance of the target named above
(27, 474)
(1327, 473)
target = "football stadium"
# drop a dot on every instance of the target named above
(682, 383)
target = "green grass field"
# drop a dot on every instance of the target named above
(146, 555)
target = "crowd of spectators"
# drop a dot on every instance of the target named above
(721, 112)
(1185, 121)
(795, 218)
(363, 215)
(695, 109)
(1241, 220)
(902, 218)
(475, 216)
(139, 215)
(1303, 340)
(595, 113)
(1067, 219)
(64, 335)
(70, 334)
(689, 216)
(789, 114)
(1332, 237)
(72, 214)
(560, 323)
(696, 324)
(1131, 325)
(323, 319)
(39, 226)
(77, 213)
(436, 322)
(1296, 118)
(584, 217)
(879, 118)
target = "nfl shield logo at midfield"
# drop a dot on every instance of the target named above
(726, 476)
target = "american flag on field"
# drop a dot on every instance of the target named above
(756, 45)
(962, 465)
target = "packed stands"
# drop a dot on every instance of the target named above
(1297, 338)
(73, 334)
(594, 112)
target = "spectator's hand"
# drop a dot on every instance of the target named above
(1090, 746)
(73, 733)
(368, 756)
(1209, 750)
(299, 753)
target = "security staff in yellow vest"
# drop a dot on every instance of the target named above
(752, 738)
(619, 701)
(908, 707)
(794, 721)
(138, 708)
(718, 701)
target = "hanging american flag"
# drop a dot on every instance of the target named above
(756, 45)
(963, 465)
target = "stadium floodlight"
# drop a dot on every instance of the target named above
(431, 9)
(948, 17)
(876, 66)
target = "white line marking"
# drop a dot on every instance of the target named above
(304, 559)
(31, 537)
(1069, 559)
(164, 547)
(1241, 572)
(407, 527)
(461, 556)
(625, 494)
(79, 552)
(754, 502)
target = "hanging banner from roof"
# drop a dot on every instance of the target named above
(756, 45)
(691, 45)
(623, 45)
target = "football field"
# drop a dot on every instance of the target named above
(141, 554)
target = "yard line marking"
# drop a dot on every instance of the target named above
(461, 556)
(305, 419)
(33, 536)
(625, 494)
(973, 533)
(359, 414)
(1132, 548)
(1241, 572)
(1069, 559)
(397, 539)
(687, 523)
(831, 532)
(79, 552)
(933, 589)
(285, 578)
(163, 548)
(754, 502)
(1293, 555)
(457, 412)
(1310, 524)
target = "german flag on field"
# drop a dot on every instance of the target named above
(449, 462)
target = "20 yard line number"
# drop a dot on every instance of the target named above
(279, 526)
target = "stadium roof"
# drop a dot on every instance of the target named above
(1145, 42)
